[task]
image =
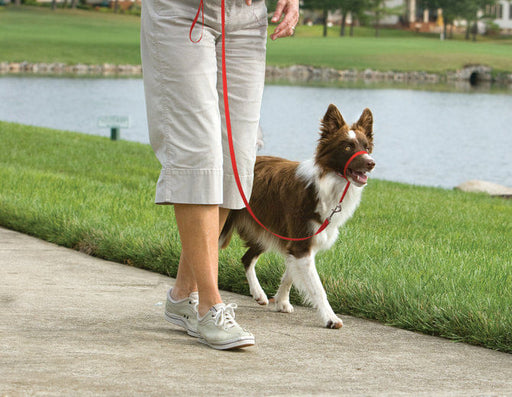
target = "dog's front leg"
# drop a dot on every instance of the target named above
(249, 260)
(254, 285)
(282, 297)
(305, 277)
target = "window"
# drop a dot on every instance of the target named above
(494, 11)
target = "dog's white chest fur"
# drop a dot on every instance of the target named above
(329, 190)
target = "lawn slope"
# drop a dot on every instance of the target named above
(424, 259)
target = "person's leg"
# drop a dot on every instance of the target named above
(199, 232)
(185, 281)
(223, 215)
(182, 103)
(199, 227)
(185, 131)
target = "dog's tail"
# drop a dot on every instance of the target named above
(227, 230)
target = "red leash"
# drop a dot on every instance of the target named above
(231, 145)
(200, 10)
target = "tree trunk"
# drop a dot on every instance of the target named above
(343, 23)
(377, 23)
(54, 5)
(351, 31)
(326, 12)
(73, 3)
(467, 30)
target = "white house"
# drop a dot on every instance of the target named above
(501, 13)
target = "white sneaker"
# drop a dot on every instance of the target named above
(218, 329)
(183, 312)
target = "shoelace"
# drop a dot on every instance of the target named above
(225, 316)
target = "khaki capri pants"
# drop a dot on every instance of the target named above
(184, 96)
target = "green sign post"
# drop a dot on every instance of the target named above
(115, 123)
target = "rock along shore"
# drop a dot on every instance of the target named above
(56, 68)
(493, 189)
(294, 74)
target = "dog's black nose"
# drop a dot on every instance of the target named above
(370, 164)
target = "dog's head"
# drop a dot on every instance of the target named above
(338, 142)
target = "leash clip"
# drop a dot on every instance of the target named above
(334, 211)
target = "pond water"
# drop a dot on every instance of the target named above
(424, 138)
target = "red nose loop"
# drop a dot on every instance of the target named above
(350, 160)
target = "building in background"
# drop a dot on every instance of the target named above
(413, 16)
(501, 14)
(425, 19)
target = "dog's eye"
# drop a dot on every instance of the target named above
(348, 148)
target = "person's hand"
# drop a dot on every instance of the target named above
(290, 10)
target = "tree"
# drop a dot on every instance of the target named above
(379, 9)
(344, 13)
(464, 9)
(354, 7)
(325, 6)
(470, 14)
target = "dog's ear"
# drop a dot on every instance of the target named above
(365, 122)
(332, 120)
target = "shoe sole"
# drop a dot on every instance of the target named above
(237, 344)
(177, 320)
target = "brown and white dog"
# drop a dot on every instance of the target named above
(293, 199)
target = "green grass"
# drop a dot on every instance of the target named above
(424, 259)
(37, 34)
(74, 36)
(395, 50)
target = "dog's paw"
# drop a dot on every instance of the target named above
(259, 296)
(334, 323)
(284, 307)
(261, 299)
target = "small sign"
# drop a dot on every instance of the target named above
(114, 122)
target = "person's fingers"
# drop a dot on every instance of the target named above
(284, 32)
(287, 25)
(278, 12)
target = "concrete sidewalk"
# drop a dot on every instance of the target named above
(72, 324)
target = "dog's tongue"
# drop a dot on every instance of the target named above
(359, 177)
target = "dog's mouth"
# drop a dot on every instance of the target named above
(357, 177)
